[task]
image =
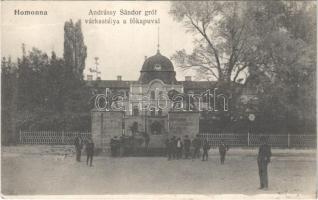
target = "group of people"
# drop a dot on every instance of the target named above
(89, 147)
(122, 145)
(176, 148)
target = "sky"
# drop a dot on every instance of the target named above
(121, 48)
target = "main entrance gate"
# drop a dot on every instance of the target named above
(108, 124)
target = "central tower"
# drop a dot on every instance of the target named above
(157, 67)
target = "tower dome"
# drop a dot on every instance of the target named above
(152, 63)
(157, 67)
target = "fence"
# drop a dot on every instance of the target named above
(251, 140)
(50, 137)
(287, 140)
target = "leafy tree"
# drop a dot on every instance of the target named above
(268, 46)
(46, 93)
(51, 97)
(288, 58)
(8, 101)
(31, 83)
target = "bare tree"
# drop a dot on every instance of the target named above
(224, 41)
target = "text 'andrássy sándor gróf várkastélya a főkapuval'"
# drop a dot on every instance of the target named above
(114, 17)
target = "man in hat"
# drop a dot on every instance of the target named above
(263, 158)
(89, 151)
(187, 144)
(179, 148)
(168, 148)
(78, 147)
(174, 147)
(116, 146)
(196, 143)
(112, 146)
(222, 150)
(147, 140)
(206, 148)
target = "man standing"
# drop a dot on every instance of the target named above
(179, 148)
(116, 146)
(187, 143)
(196, 145)
(263, 158)
(168, 148)
(112, 146)
(89, 151)
(122, 145)
(78, 147)
(222, 150)
(205, 147)
(147, 140)
(174, 147)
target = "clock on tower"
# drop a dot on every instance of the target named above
(157, 67)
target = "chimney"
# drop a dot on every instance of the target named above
(89, 77)
(118, 78)
(187, 78)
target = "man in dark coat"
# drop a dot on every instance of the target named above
(78, 147)
(169, 148)
(196, 143)
(174, 147)
(205, 147)
(122, 143)
(187, 144)
(116, 146)
(147, 140)
(90, 151)
(112, 146)
(263, 158)
(179, 148)
(223, 148)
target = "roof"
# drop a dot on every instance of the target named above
(110, 84)
(188, 85)
(198, 84)
(126, 84)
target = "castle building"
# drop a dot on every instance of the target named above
(156, 104)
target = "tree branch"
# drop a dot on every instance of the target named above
(239, 71)
(203, 33)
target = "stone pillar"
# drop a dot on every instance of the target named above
(97, 120)
(105, 125)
